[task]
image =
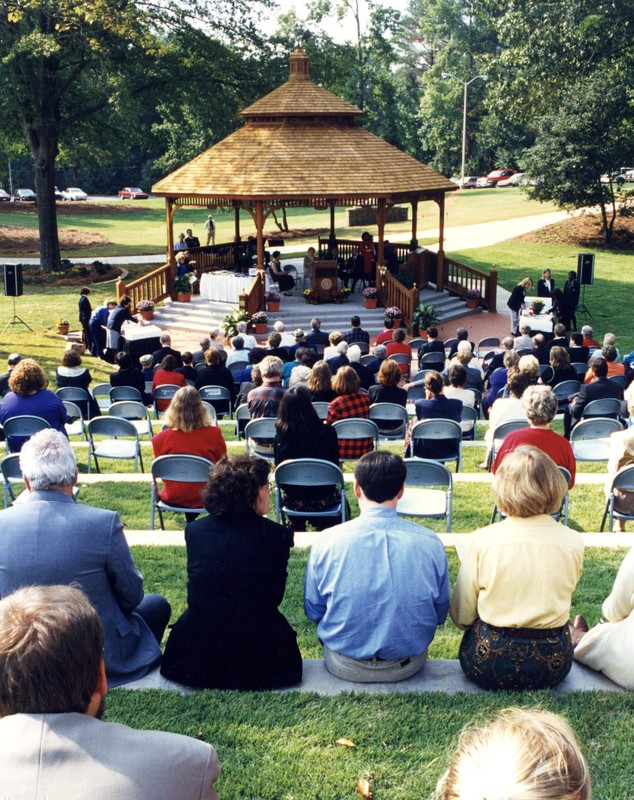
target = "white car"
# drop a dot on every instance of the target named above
(73, 193)
(519, 179)
(483, 183)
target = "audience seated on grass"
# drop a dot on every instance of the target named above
(498, 380)
(264, 401)
(598, 389)
(188, 431)
(559, 369)
(464, 356)
(30, 397)
(301, 373)
(129, 375)
(71, 373)
(349, 402)
(516, 580)
(610, 354)
(48, 538)
(540, 407)
(621, 454)
(52, 697)
(523, 754)
(232, 635)
(388, 390)
(506, 409)
(377, 586)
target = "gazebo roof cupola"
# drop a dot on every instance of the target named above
(300, 97)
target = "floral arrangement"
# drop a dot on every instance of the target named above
(145, 305)
(340, 294)
(259, 318)
(182, 284)
(537, 307)
(370, 293)
(393, 313)
(310, 295)
(62, 321)
(473, 294)
(272, 297)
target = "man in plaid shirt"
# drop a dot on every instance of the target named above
(356, 334)
(265, 400)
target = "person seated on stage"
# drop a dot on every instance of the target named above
(541, 559)
(498, 380)
(53, 691)
(164, 375)
(237, 354)
(129, 375)
(71, 373)
(560, 368)
(331, 351)
(188, 431)
(540, 406)
(609, 646)
(166, 349)
(274, 348)
(316, 337)
(386, 335)
(523, 753)
(187, 370)
(588, 337)
(524, 340)
(285, 281)
(320, 383)
(609, 353)
(349, 402)
(384, 639)
(578, 352)
(309, 260)
(597, 389)
(237, 562)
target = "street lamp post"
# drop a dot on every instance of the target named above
(464, 117)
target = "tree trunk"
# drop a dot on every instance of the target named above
(43, 144)
(284, 219)
(277, 222)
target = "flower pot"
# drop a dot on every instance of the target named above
(472, 302)
(370, 302)
(260, 328)
(63, 329)
(397, 322)
(147, 315)
(273, 305)
(184, 297)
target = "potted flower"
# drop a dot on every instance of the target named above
(424, 317)
(473, 298)
(340, 296)
(272, 300)
(394, 313)
(63, 326)
(145, 309)
(370, 297)
(311, 296)
(537, 306)
(183, 288)
(259, 320)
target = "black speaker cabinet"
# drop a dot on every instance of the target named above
(585, 268)
(13, 280)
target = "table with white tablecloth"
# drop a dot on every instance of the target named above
(224, 287)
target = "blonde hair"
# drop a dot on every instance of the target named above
(335, 337)
(186, 412)
(345, 381)
(320, 378)
(528, 483)
(530, 365)
(521, 755)
(526, 283)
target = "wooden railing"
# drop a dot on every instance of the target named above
(156, 286)
(348, 248)
(253, 299)
(393, 293)
(460, 279)
(229, 255)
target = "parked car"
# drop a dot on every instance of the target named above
(132, 193)
(519, 179)
(58, 194)
(4, 196)
(73, 193)
(629, 173)
(470, 183)
(25, 196)
(493, 178)
(483, 183)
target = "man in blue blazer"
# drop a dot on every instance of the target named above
(47, 538)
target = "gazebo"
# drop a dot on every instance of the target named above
(301, 146)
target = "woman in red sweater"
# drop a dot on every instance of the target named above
(188, 431)
(166, 375)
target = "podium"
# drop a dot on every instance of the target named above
(324, 278)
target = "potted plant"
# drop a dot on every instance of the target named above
(370, 297)
(145, 309)
(340, 296)
(424, 317)
(63, 326)
(537, 306)
(311, 296)
(183, 288)
(259, 320)
(473, 298)
(272, 300)
(230, 323)
(394, 313)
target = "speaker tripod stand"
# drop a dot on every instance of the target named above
(15, 320)
(582, 308)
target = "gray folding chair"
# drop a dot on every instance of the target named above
(321, 409)
(437, 430)
(590, 438)
(78, 396)
(22, 426)
(122, 442)
(101, 393)
(242, 415)
(502, 431)
(11, 473)
(428, 360)
(236, 369)
(605, 407)
(78, 426)
(581, 369)
(486, 344)
(164, 392)
(563, 391)
(219, 397)
(428, 491)
(136, 413)
(449, 343)
(181, 468)
(620, 379)
(382, 413)
(624, 481)
(469, 422)
(211, 411)
(354, 428)
(312, 472)
(368, 359)
(118, 393)
(402, 359)
(259, 435)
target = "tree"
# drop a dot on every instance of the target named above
(67, 64)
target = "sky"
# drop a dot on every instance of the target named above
(340, 32)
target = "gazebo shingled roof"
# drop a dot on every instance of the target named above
(301, 146)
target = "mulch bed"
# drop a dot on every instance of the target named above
(584, 231)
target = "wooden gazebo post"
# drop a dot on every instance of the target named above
(259, 230)
(380, 225)
(440, 259)
(236, 223)
(414, 241)
(332, 239)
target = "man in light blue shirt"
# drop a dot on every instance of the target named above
(377, 586)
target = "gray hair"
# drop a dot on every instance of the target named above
(271, 367)
(204, 342)
(342, 348)
(508, 342)
(14, 359)
(354, 353)
(380, 351)
(241, 326)
(540, 404)
(48, 462)
(587, 330)
(279, 326)
(165, 338)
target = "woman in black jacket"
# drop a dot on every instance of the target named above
(232, 635)
(515, 303)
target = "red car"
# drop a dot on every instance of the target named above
(493, 178)
(132, 193)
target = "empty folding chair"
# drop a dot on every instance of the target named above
(181, 468)
(312, 472)
(564, 391)
(622, 481)
(78, 396)
(136, 413)
(11, 473)
(321, 409)
(438, 436)
(122, 442)
(433, 360)
(391, 418)
(118, 393)
(428, 491)
(590, 438)
(486, 344)
(605, 407)
(468, 422)
(21, 428)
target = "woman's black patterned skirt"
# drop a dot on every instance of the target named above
(515, 658)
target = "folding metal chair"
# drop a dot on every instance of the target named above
(118, 393)
(623, 480)
(581, 369)
(78, 426)
(391, 413)
(403, 359)
(354, 428)
(211, 411)
(312, 472)
(605, 407)
(136, 413)
(259, 435)
(22, 426)
(563, 391)
(502, 431)
(321, 409)
(449, 343)
(590, 438)
(78, 396)
(182, 468)
(436, 430)
(101, 393)
(219, 397)
(123, 442)
(469, 422)
(428, 360)
(486, 344)
(164, 392)
(11, 473)
(236, 369)
(242, 416)
(428, 491)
